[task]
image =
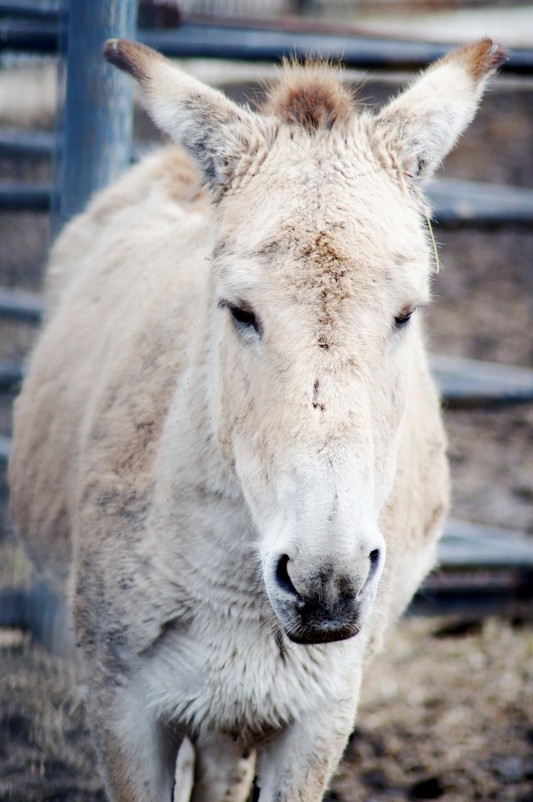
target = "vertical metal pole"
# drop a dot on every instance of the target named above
(98, 108)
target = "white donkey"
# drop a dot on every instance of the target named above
(228, 449)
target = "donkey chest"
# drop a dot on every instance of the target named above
(230, 677)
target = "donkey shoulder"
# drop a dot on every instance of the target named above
(118, 296)
(163, 183)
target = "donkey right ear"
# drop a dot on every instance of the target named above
(422, 124)
(216, 132)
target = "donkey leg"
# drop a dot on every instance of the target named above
(224, 770)
(299, 763)
(137, 753)
(184, 773)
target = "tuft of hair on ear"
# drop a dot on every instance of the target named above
(481, 58)
(310, 95)
(131, 57)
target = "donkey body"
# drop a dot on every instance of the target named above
(228, 451)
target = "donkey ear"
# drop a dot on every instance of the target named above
(423, 123)
(216, 132)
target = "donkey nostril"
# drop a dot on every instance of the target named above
(282, 576)
(374, 558)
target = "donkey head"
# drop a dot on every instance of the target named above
(321, 263)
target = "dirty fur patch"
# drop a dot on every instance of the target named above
(310, 96)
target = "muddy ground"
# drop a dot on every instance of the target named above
(447, 711)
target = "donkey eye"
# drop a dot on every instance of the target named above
(244, 318)
(403, 319)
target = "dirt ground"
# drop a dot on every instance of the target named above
(447, 710)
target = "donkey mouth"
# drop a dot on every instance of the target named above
(324, 632)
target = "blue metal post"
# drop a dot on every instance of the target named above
(98, 108)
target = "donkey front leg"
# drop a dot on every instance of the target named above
(137, 752)
(297, 766)
(224, 770)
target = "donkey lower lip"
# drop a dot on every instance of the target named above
(308, 636)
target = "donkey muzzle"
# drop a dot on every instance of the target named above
(323, 605)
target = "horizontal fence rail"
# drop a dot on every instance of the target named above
(353, 50)
(4, 452)
(482, 570)
(40, 144)
(472, 383)
(43, 9)
(20, 305)
(256, 42)
(459, 202)
(474, 593)
(25, 197)
(11, 375)
(473, 545)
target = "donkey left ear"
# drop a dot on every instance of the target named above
(423, 123)
(216, 132)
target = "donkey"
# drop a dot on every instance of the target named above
(228, 451)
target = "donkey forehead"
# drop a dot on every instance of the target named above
(359, 231)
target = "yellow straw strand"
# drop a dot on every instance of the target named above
(437, 261)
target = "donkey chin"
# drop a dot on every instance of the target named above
(326, 605)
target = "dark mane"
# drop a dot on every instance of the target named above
(310, 96)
